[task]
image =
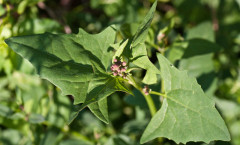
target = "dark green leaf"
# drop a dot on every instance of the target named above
(100, 88)
(77, 64)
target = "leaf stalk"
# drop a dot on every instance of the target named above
(148, 98)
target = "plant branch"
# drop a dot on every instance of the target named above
(148, 98)
(157, 93)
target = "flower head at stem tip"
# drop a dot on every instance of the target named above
(119, 68)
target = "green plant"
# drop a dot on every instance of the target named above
(80, 66)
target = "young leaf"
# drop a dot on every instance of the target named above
(120, 49)
(140, 58)
(138, 49)
(142, 31)
(187, 114)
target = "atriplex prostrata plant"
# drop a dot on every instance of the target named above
(79, 66)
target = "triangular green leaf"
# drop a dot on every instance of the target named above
(187, 114)
(77, 64)
(66, 60)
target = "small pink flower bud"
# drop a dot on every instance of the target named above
(124, 63)
(145, 90)
(123, 70)
(114, 67)
(115, 73)
(115, 60)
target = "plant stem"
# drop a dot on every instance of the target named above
(150, 103)
(148, 98)
(157, 93)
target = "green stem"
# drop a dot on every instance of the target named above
(148, 98)
(157, 93)
(150, 103)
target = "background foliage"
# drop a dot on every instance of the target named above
(203, 37)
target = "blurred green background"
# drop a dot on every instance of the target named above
(203, 37)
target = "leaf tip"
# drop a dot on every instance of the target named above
(143, 139)
(105, 121)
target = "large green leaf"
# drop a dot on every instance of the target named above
(66, 60)
(187, 114)
(77, 64)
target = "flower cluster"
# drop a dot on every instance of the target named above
(146, 90)
(119, 68)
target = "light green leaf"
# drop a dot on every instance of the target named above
(191, 48)
(203, 31)
(197, 65)
(22, 6)
(138, 49)
(187, 114)
(176, 51)
(140, 58)
(2, 10)
(120, 49)
(150, 77)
